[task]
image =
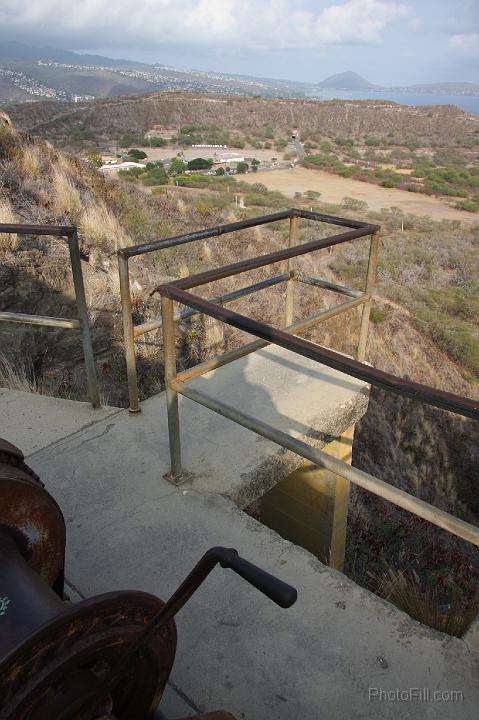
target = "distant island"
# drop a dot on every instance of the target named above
(347, 81)
(352, 81)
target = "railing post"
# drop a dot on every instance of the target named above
(126, 311)
(370, 283)
(83, 318)
(169, 352)
(293, 238)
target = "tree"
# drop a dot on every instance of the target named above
(220, 171)
(242, 168)
(95, 160)
(255, 164)
(137, 154)
(199, 164)
(177, 167)
(157, 141)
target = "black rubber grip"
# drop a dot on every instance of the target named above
(278, 591)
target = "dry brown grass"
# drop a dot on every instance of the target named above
(30, 160)
(65, 196)
(15, 377)
(98, 224)
(7, 240)
(424, 604)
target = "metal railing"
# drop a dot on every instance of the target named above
(177, 383)
(80, 323)
(358, 229)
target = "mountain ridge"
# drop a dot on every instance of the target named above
(31, 72)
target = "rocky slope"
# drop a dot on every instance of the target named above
(105, 119)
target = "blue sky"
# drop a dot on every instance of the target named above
(388, 41)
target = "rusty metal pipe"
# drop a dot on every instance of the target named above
(144, 248)
(318, 282)
(204, 278)
(392, 383)
(220, 299)
(128, 334)
(240, 352)
(171, 394)
(292, 241)
(369, 288)
(43, 320)
(402, 499)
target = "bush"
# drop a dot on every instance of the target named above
(95, 160)
(354, 204)
(344, 142)
(155, 176)
(467, 205)
(456, 337)
(377, 315)
(137, 154)
(259, 188)
(156, 142)
(177, 167)
(199, 164)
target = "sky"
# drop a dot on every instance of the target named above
(389, 42)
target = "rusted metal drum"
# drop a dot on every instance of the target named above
(53, 653)
(30, 515)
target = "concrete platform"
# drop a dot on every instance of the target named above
(129, 528)
(33, 425)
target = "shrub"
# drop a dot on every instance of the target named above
(156, 175)
(377, 315)
(259, 188)
(199, 164)
(344, 142)
(131, 174)
(157, 142)
(177, 167)
(137, 154)
(467, 205)
(354, 204)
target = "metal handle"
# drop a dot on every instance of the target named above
(278, 591)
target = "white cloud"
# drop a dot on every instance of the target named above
(465, 44)
(254, 24)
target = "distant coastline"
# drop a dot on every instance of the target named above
(469, 103)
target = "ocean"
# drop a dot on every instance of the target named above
(469, 103)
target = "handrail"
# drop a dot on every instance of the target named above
(357, 229)
(82, 322)
(379, 378)
(177, 382)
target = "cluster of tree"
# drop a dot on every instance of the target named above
(153, 174)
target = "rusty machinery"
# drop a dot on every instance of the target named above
(107, 657)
